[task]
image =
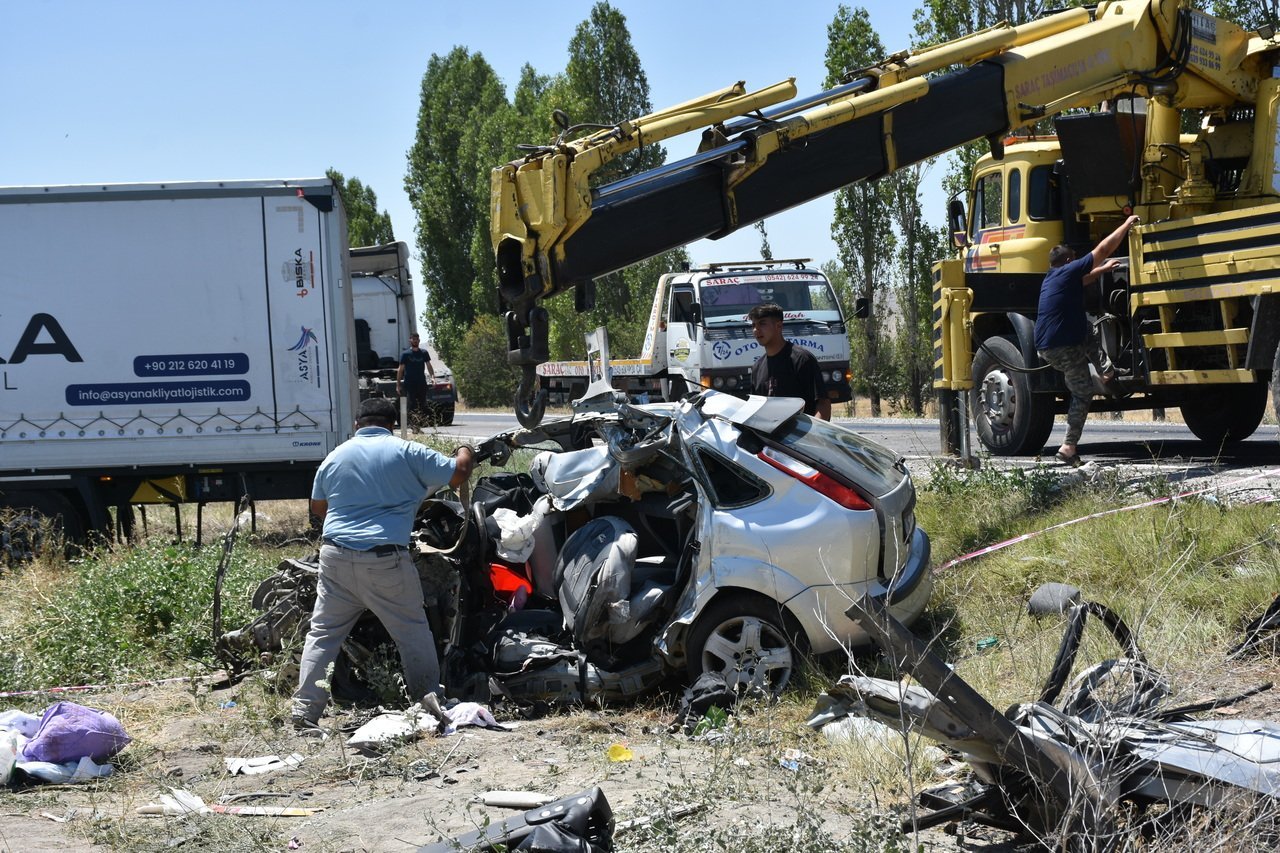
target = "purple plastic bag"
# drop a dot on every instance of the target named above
(69, 732)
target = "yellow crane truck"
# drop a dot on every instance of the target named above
(1192, 316)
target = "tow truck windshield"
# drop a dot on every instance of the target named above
(801, 297)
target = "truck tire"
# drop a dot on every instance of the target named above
(1009, 419)
(31, 521)
(1226, 415)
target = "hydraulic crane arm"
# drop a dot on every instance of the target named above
(552, 230)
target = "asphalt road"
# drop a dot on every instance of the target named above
(1105, 440)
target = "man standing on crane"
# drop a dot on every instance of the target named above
(785, 370)
(1062, 329)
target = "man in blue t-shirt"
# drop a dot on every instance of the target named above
(367, 491)
(1062, 329)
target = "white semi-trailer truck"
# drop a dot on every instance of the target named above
(169, 343)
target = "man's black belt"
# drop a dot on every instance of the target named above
(379, 550)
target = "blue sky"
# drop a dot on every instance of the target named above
(101, 92)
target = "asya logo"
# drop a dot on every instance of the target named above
(307, 337)
(721, 350)
(308, 354)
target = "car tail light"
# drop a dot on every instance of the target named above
(814, 479)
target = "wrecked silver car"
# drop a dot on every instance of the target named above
(651, 541)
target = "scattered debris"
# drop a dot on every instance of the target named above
(180, 803)
(67, 743)
(514, 799)
(262, 764)
(1105, 753)
(674, 813)
(617, 752)
(794, 759)
(581, 823)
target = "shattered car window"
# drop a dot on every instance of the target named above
(731, 486)
(862, 462)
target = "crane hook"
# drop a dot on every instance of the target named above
(530, 404)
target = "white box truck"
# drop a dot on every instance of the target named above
(170, 343)
(382, 293)
(699, 335)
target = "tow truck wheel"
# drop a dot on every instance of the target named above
(1227, 415)
(1009, 419)
(750, 640)
(30, 522)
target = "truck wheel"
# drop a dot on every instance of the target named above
(674, 389)
(1010, 420)
(1226, 415)
(748, 638)
(30, 522)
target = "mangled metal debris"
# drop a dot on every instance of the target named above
(1068, 768)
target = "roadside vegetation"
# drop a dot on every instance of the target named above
(1185, 574)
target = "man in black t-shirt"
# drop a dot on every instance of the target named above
(785, 370)
(411, 376)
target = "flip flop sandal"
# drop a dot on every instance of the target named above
(1072, 460)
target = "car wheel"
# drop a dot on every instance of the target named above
(747, 638)
(1010, 420)
(446, 418)
(1226, 415)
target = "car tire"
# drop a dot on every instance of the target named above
(1010, 420)
(752, 640)
(446, 417)
(1226, 416)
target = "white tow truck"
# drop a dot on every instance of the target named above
(699, 334)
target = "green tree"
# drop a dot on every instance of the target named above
(919, 246)
(365, 225)
(447, 184)
(480, 367)
(604, 83)
(861, 227)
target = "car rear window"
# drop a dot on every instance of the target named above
(862, 461)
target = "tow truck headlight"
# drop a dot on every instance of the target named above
(837, 375)
(718, 382)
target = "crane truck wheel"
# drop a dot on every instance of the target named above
(31, 522)
(1009, 419)
(1227, 415)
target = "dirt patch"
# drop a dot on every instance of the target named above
(424, 791)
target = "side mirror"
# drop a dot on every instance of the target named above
(695, 313)
(957, 222)
(862, 308)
